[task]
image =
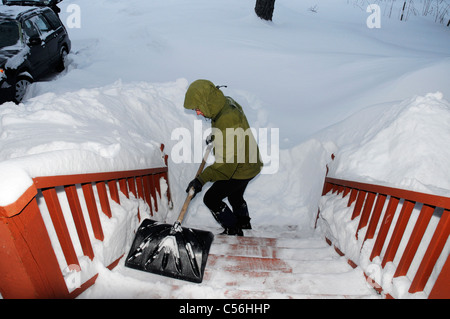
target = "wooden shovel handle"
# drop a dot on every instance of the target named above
(191, 193)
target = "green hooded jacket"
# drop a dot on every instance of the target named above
(236, 152)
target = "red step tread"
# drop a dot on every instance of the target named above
(242, 263)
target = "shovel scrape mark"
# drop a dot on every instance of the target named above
(192, 259)
(144, 243)
(169, 247)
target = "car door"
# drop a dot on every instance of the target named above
(57, 36)
(49, 38)
(38, 53)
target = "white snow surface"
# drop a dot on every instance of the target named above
(376, 98)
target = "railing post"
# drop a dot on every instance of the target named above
(165, 175)
(441, 288)
(434, 249)
(28, 265)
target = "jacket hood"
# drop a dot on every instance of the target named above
(203, 95)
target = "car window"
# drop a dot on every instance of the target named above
(52, 19)
(41, 24)
(9, 32)
(29, 29)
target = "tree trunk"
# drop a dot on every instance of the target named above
(264, 9)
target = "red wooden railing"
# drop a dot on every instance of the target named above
(377, 207)
(28, 264)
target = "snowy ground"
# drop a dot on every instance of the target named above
(376, 98)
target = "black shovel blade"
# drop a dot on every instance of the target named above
(170, 250)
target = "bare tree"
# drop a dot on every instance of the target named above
(264, 9)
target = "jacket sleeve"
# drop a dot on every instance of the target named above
(225, 164)
(217, 172)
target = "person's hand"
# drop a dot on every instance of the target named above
(209, 139)
(196, 185)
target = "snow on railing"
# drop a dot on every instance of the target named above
(400, 238)
(55, 235)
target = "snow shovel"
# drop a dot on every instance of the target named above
(172, 250)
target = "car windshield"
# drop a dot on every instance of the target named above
(9, 33)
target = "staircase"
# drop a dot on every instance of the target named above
(249, 268)
(255, 267)
(263, 264)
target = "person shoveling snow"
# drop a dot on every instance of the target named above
(237, 157)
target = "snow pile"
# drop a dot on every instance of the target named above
(14, 182)
(113, 128)
(403, 145)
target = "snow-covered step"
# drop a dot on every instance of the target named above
(245, 294)
(252, 267)
(336, 284)
(273, 242)
(246, 264)
(253, 264)
(280, 248)
(325, 253)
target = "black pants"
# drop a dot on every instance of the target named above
(233, 189)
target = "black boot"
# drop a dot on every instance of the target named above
(243, 216)
(228, 221)
(237, 231)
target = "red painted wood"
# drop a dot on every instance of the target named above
(359, 204)
(123, 187)
(140, 187)
(147, 192)
(155, 189)
(104, 199)
(441, 288)
(379, 205)
(132, 186)
(414, 240)
(397, 235)
(78, 218)
(52, 181)
(429, 199)
(384, 229)
(366, 211)
(91, 205)
(28, 265)
(432, 254)
(59, 223)
(16, 207)
(352, 197)
(114, 191)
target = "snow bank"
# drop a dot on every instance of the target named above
(403, 145)
(14, 182)
(111, 128)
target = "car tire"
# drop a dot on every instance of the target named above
(21, 88)
(62, 59)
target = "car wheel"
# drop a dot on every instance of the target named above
(62, 60)
(20, 89)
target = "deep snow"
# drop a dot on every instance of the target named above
(376, 98)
